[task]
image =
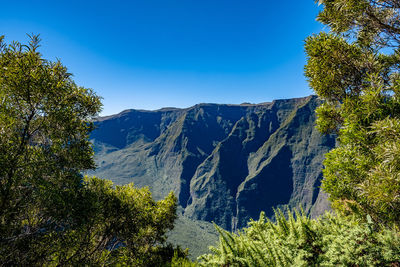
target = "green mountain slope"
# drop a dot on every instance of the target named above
(226, 163)
(193, 234)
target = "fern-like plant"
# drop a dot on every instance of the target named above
(297, 240)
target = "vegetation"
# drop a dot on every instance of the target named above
(300, 241)
(50, 213)
(355, 69)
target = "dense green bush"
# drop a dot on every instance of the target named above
(300, 241)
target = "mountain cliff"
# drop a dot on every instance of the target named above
(226, 163)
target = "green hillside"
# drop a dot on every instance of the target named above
(195, 235)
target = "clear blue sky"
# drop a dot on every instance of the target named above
(148, 54)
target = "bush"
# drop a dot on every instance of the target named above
(300, 241)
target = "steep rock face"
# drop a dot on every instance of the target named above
(226, 163)
(287, 168)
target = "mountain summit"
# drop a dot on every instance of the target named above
(226, 163)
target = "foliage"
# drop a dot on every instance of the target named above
(355, 69)
(122, 225)
(301, 241)
(51, 214)
(44, 125)
(178, 261)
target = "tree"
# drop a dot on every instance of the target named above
(355, 69)
(122, 225)
(51, 214)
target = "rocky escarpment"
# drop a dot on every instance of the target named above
(226, 163)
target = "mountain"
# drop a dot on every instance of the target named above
(226, 163)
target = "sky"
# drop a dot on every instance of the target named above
(149, 54)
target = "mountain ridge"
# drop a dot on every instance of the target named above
(225, 162)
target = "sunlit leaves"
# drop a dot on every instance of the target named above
(300, 241)
(355, 69)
